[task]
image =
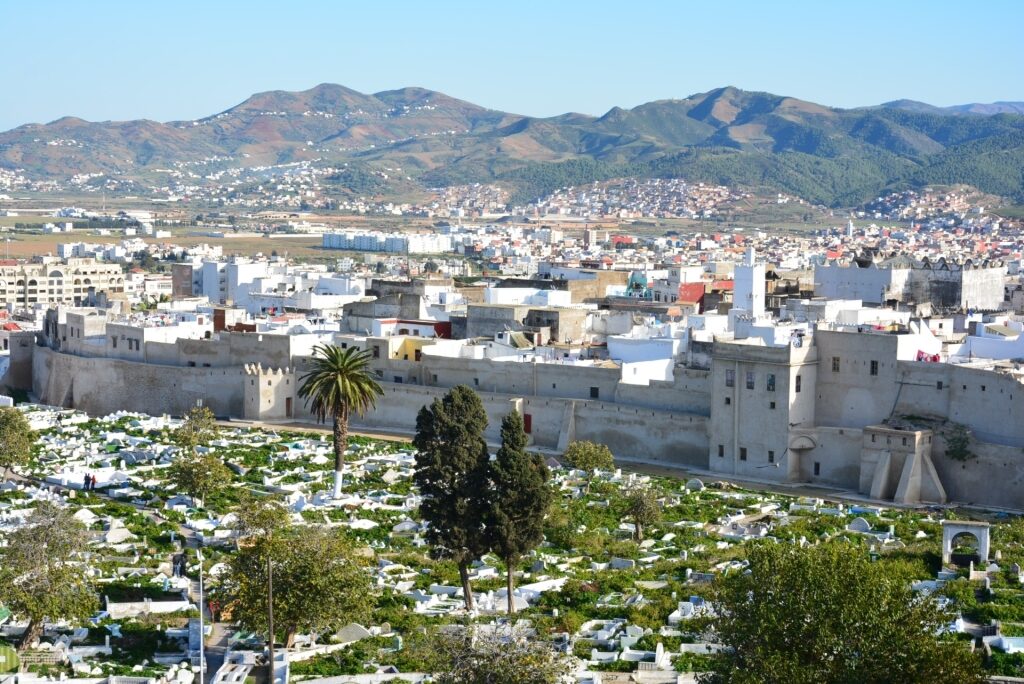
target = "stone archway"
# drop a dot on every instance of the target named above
(953, 528)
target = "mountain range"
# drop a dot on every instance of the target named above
(838, 157)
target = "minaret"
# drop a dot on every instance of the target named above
(748, 293)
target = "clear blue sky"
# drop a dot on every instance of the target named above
(180, 59)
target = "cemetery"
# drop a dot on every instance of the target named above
(609, 594)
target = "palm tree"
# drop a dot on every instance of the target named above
(337, 384)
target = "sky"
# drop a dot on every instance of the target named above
(181, 60)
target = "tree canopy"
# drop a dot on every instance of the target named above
(319, 580)
(337, 384)
(260, 516)
(643, 508)
(501, 657)
(588, 456)
(199, 428)
(452, 473)
(16, 439)
(520, 499)
(199, 475)
(39, 576)
(827, 614)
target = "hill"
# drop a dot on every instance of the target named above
(827, 155)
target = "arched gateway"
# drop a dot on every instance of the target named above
(953, 528)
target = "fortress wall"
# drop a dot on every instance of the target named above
(100, 386)
(628, 431)
(994, 477)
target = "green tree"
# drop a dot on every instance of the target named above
(199, 428)
(260, 517)
(502, 657)
(338, 384)
(16, 439)
(39, 576)
(520, 498)
(958, 443)
(452, 472)
(827, 614)
(319, 582)
(642, 506)
(588, 456)
(199, 475)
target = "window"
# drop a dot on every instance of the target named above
(476, 382)
(771, 382)
(750, 379)
(113, 339)
(982, 388)
(730, 378)
(728, 401)
(434, 375)
(872, 438)
(554, 386)
(771, 456)
(743, 453)
(595, 392)
(874, 368)
(817, 468)
(904, 441)
(797, 384)
(835, 364)
(398, 379)
(721, 451)
(771, 405)
(938, 385)
(376, 351)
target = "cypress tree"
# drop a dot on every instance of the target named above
(520, 498)
(452, 468)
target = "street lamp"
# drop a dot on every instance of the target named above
(202, 635)
(270, 618)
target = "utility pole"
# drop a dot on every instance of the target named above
(270, 619)
(202, 629)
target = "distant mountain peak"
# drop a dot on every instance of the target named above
(726, 135)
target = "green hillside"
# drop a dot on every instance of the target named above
(831, 156)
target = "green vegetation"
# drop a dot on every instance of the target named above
(199, 428)
(958, 443)
(588, 456)
(318, 582)
(452, 464)
(16, 439)
(37, 576)
(754, 139)
(520, 498)
(199, 475)
(643, 508)
(828, 614)
(338, 384)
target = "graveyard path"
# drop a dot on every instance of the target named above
(384, 435)
(217, 643)
(216, 648)
(186, 533)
